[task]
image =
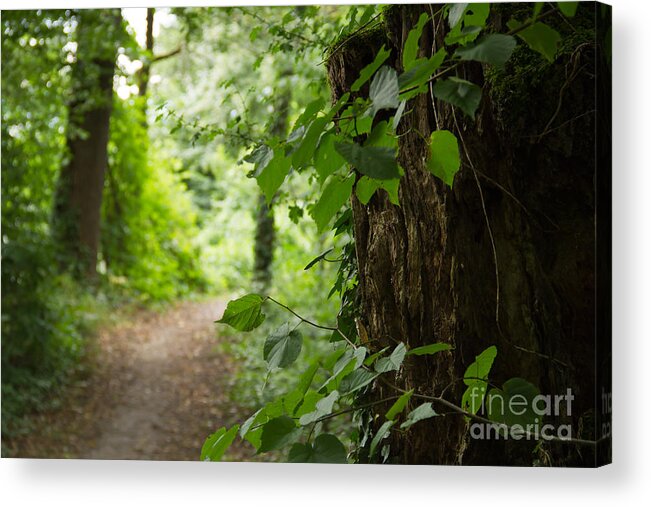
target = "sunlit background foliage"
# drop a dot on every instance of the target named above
(178, 213)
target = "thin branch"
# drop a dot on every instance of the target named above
(307, 321)
(311, 323)
(488, 225)
(169, 54)
(357, 407)
(433, 78)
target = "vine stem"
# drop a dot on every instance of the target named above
(488, 224)
(358, 407)
(311, 323)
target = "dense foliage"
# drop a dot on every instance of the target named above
(149, 248)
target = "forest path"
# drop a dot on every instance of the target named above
(158, 388)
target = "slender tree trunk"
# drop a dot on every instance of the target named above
(79, 194)
(145, 71)
(505, 258)
(265, 231)
(265, 234)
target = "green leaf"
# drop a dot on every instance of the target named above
(481, 366)
(354, 122)
(414, 81)
(282, 347)
(513, 404)
(337, 106)
(424, 411)
(327, 160)
(473, 17)
(455, 13)
(459, 92)
(310, 112)
(323, 408)
(349, 361)
(318, 258)
(382, 135)
(369, 360)
(260, 157)
(475, 378)
(495, 49)
(568, 8)
(384, 91)
(399, 111)
(381, 434)
(308, 404)
(251, 430)
(444, 161)
(462, 36)
(539, 37)
(278, 433)
(295, 135)
(473, 396)
(255, 31)
(331, 359)
(370, 69)
(399, 405)
(306, 149)
(366, 187)
(306, 378)
(275, 408)
(378, 162)
(273, 174)
(327, 449)
(476, 14)
(291, 401)
(430, 349)
(245, 313)
(356, 380)
(216, 444)
(335, 194)
(393, 362)
(410, 49)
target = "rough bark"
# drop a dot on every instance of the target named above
(79, 194)
(506, 257)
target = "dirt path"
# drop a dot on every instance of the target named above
(158, 389)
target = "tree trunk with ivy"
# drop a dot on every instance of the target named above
(78, 203)
(505, 257)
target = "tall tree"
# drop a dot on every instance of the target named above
(78, 202)
(263, 249)
(507, 256)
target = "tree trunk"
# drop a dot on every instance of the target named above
(81, 182)
(145, 71)
(265, 231)
(506, 257)
(263, 248)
